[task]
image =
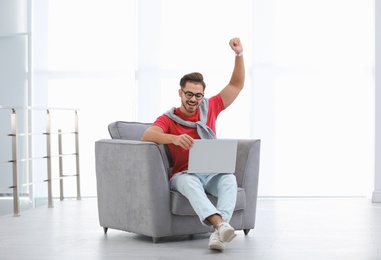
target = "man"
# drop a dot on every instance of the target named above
(195, 119)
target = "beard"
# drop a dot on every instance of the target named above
(190, 106)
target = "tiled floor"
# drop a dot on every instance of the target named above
(285, 229)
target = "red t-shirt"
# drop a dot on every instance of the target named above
(180, 155)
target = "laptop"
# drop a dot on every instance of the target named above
(212, 156)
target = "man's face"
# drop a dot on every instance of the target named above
(190, 105)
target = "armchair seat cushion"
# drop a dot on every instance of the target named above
(181, 206)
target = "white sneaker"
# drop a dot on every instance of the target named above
(215, 241)
(226, 232)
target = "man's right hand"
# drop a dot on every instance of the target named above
(184, 140)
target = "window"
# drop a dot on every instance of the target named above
(84, 57)
(309, 78)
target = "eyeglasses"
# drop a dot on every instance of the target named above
(189, 95)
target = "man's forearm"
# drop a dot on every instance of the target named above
(157, 137)
(238, 75)
(155, 134)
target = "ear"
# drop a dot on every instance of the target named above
(180, 92)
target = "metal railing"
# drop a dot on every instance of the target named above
(49, 155)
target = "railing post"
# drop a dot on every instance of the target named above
(60, 162)
(49, 159)
(77, 155)
(16, 160)
(16, 199)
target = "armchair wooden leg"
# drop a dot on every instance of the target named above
(155, 240)
(246, 231)
(105, 229)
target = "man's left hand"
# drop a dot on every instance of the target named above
(236, 45)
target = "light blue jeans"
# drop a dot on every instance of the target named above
(195, 187)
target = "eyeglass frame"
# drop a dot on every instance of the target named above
(198, 96)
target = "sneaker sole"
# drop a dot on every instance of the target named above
(231, 238)
(228, 236)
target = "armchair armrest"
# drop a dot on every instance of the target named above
(247, 165)
(132, 186)
(247, 174)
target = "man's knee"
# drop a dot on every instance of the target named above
(229, 179)
(188, 182)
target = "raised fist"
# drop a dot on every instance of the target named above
(236, 45)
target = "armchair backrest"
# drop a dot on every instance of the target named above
(127, 130)
(134, 131)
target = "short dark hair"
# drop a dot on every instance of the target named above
(194, 77)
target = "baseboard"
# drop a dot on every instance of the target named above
(376, 197)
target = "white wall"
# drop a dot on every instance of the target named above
(13, 55)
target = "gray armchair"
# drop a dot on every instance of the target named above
(133, 188)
